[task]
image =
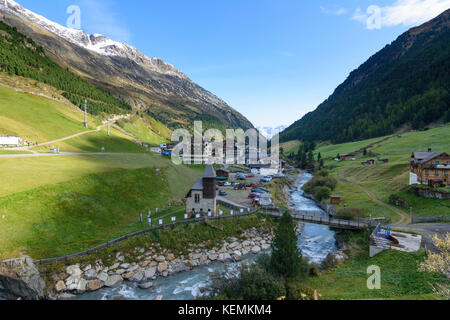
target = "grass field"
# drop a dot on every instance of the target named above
(400, 278)
(38, 119)
(386, 179)
(72, 203)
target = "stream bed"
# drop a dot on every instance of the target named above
(315, 241)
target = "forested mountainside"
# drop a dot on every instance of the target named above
(405, 84)
(19, 55)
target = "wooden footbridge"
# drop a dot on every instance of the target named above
(329, 221)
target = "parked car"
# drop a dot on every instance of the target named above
(250, 175)
(240, 176)
(265, 180)
(260, 190)
(255, 185)
(239, 186)
(233, 184)
(254, 195)
(227, 184)
(221, 183)
(278, 176)
(222, 193)
(248, 185)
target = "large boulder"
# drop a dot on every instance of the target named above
(21, 278)
(94, 285)
(162, 266)
(113, 281)
(149, 273)
(76, 283)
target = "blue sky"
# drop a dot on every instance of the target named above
(272, 60)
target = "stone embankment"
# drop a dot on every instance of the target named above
(153, 263)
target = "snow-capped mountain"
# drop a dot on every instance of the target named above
(145, 83)
(270, 132)
(94, 42)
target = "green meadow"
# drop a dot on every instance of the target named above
(59, 205)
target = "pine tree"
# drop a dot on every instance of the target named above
(286, 259)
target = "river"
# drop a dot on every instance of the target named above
(315, 241)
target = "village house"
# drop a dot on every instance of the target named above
(348, 157)
(10, 141)
(430, 168)
(222, 174)
(201, 199)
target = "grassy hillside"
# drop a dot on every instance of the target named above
(385, 179)
(37, 118)
(146, 129)
(58, 205)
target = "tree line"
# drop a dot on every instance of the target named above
(21, 56)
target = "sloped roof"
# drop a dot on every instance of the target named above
(422, 157)
(209, 172)
(198, 185)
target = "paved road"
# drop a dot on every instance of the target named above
(428, 231)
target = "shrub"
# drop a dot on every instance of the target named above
(252, 283)
(321, 193)
(298, 291)
(350, 213)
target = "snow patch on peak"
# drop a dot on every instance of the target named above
(97, 43)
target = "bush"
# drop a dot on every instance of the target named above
(297, 291)
(320, 181)
(252, 283)
(350, 213)
(321, 193)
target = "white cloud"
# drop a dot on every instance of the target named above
(334, 10)
(100, 17)
(401, 12)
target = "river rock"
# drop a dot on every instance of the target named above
(113, 281)
(102, 276)
(146, 285)
(256, 249)
(162, 266)
(60, 286)
(76, 283)
(120, 271)
(125, 266)
(90, 274)
(115, 266)
(170, 257)
(160, 259)
(265, 247)
(213, 257)
(233, 245)
(94, 285)
(21, 278)
(137, 277)
(128, 275)
(149, 273)
(74, 270)
(224, 257)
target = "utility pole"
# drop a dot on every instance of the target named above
(108, 127)
(85, 113)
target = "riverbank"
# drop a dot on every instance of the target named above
(146, 259)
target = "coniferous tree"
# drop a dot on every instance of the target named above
(286, 259)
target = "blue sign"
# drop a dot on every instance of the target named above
(383, 231)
